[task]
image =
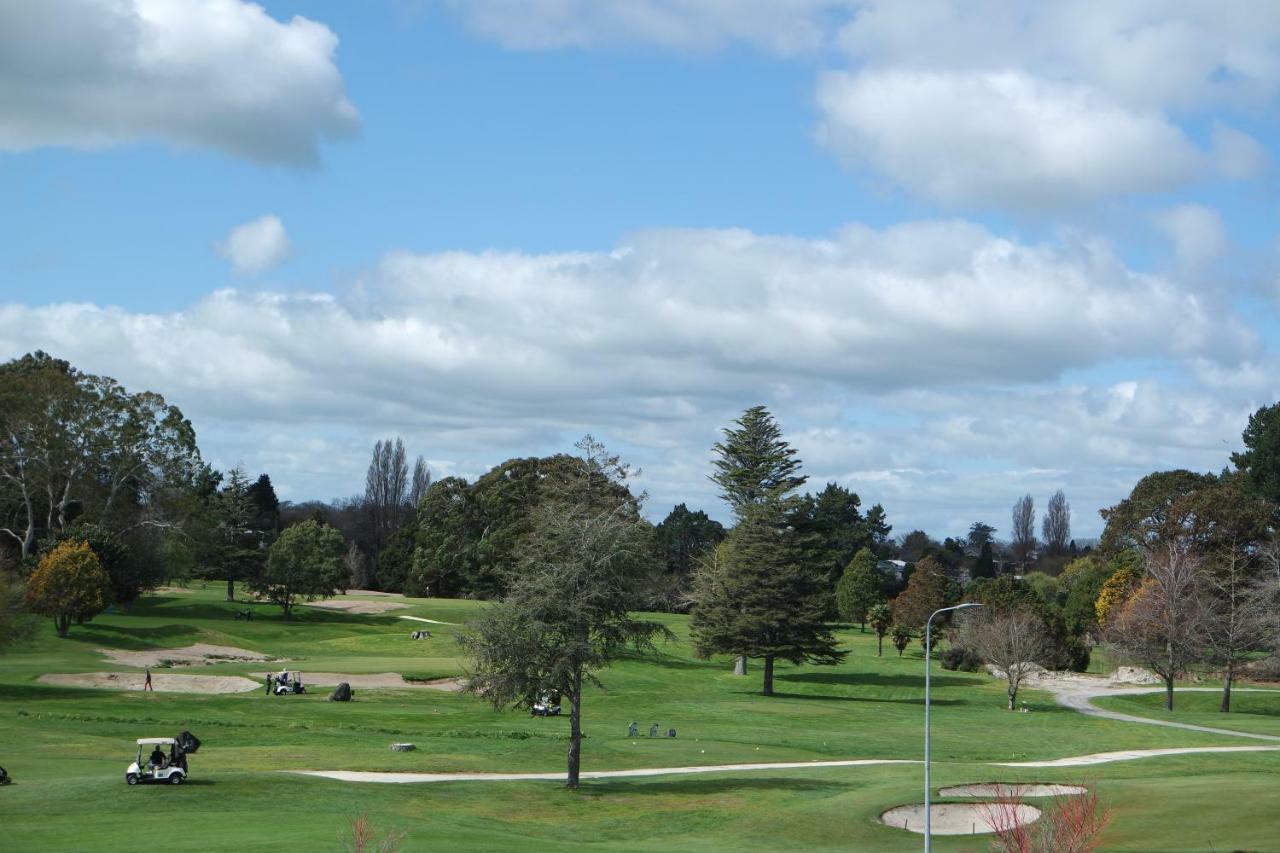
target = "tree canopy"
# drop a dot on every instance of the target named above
(305, 563)
(69, 583)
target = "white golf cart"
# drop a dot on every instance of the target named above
(548, 705)
(289, 682)
(155, 765)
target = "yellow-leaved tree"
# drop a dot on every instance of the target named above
(69, 583)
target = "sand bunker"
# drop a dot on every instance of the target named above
(357, 605)
(996, 789)
(194, 655)
(162, 682)
(955, 818)
(378, 679)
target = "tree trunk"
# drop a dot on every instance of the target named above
(740, 665)
(1168, 692)
(879, 645)
(1226, 689)
(575, 731)
(1013, 695)
(864, 626)
(62, 623)
(768, 675)
(231, 590)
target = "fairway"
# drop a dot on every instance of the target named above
(67, 747)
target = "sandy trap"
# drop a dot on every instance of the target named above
(995, 789)
(160, 682)
(357, 605)
(955, 818)
(194, 655)
(378, 679)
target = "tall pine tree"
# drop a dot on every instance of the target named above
(763, 601)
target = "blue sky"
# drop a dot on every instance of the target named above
(964, 251)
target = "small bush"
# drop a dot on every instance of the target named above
(960, 659)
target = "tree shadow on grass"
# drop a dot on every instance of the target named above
(878, 679)
(712, 784)
(134, 637)
(263, 612)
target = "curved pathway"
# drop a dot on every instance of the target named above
(1080, 698)
(1076, 694)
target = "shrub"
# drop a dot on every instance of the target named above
(960, 659)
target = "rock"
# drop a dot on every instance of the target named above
(1134, 675)
(341, 693)
(402, 747)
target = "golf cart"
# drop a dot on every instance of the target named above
(548, 705)
(289, 682)
(155, 766)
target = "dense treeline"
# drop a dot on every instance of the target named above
(104, 495)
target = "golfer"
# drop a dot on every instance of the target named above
(146, 685)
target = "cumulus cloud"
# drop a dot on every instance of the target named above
(784, 27)
(1196, 232)
(1002, 139)
(658, 343)
(256, 246)
(1003, 104)
(218, 74)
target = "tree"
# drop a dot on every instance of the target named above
(1057, 524)
(449, 529)
(985, 565)
(1023, 540)
(901, 638)
(1083, 579)
(1260, 461)
(926, 591)
(386, 489)
(1013, 640)
(68, 584)
(754, 464)
(682, 538)
(566, 615)
(81, 447)
(831, 529)
(1155, 513)
(235, 549)
(1118, 588)
(770, 605)
(305, 563)
(917, 545)
(15, 624)
(419, 483)
(881, 619)
(1240, 618)
(980, 538)
(860, 588)
(356, 567)
(1161, 624)
(266, 506)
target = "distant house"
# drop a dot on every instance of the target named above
(896, 568)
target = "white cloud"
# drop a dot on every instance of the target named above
(1237, 155)
(1197, 234)
(654, 346)
(784, 27)
(998, 139)
(219, 74)
(256, 246)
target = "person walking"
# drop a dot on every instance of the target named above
(146, 685)
(270, 678)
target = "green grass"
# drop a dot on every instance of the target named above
(1250, 712)
(67, 748)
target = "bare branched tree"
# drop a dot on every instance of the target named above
(419, 485)
(385, 487)
(1023, 531)
(1162, 624)
(1013, 641)
(1056, 526)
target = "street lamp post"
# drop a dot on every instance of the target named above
(928, 794)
